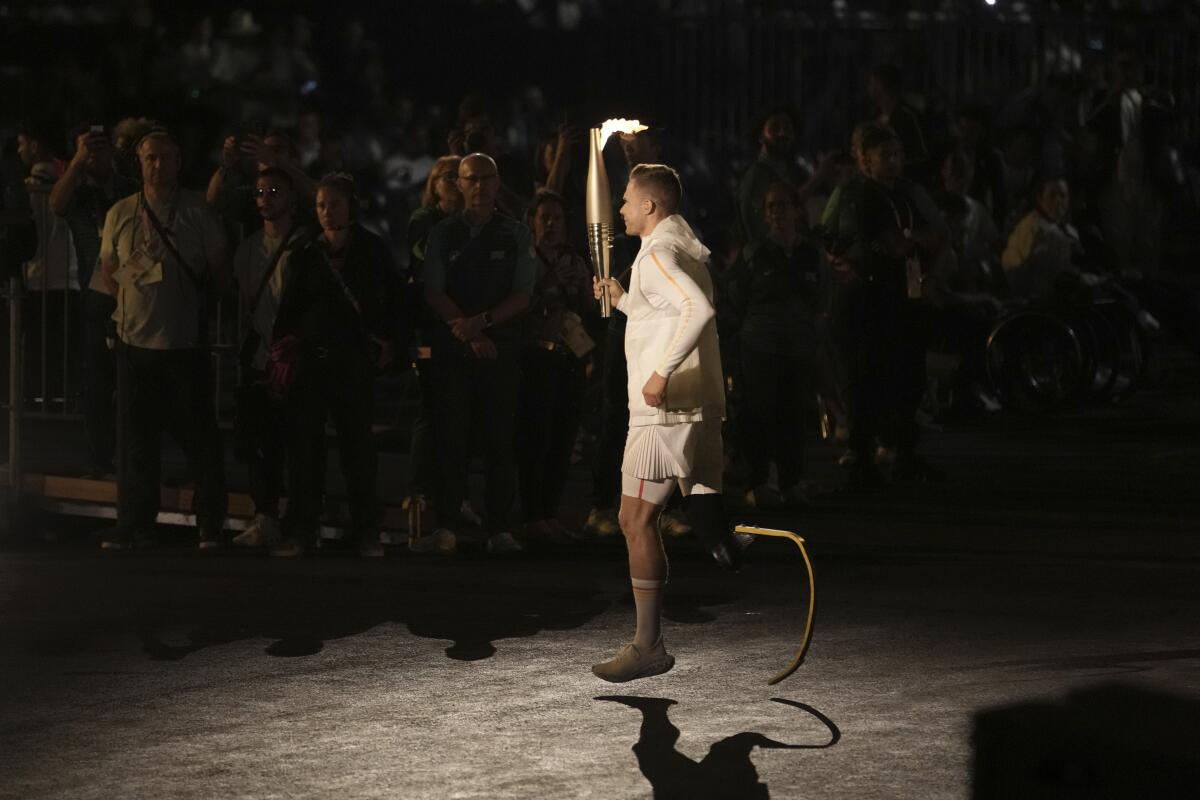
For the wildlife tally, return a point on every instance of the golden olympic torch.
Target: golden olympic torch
(599, 201)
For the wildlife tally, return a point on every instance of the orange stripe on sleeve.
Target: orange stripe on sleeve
(684, 317)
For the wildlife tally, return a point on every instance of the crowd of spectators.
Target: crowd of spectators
(360, 233)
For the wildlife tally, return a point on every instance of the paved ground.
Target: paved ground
(1063, 557)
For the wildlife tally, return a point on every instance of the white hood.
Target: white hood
(674, 233)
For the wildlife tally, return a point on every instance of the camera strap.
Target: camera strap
(167, 239)
(271, 268)
(349, 295)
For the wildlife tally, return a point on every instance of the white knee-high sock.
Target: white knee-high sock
(647, 597)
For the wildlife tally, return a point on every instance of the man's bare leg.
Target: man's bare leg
(646, 656)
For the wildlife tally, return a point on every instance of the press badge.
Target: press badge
(140, 270)
(912, 273)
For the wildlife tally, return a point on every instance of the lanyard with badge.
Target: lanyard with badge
(912, 264)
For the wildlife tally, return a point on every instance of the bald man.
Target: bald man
(676, 406)
(480, 268)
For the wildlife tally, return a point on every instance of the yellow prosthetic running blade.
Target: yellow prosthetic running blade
(812, 595)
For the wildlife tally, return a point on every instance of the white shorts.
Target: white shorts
(657, 457)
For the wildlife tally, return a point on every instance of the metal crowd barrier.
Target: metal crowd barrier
(53, 399)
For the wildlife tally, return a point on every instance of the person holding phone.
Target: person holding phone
(231, 187)
(88, 188)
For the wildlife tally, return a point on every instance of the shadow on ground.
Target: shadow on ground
(726, 772)
(177, 607)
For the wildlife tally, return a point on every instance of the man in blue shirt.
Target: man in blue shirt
(480, 268)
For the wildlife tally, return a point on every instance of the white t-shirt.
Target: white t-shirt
(157, 303)
(251, 260)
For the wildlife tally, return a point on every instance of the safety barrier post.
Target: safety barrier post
(16, 367)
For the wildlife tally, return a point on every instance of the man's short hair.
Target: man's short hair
(156, 132)
(661, 183)
(276, 173)
(479, 156)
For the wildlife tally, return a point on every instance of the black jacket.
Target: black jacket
(315, 308)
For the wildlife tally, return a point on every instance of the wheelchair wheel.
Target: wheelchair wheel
(1036, 359)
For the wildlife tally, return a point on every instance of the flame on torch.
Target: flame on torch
(611, 126)
(599, 200)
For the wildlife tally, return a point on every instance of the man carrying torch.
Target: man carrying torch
(676, 404)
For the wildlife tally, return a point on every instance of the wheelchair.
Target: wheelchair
(1089, 344)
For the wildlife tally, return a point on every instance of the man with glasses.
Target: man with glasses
(480, 268)
(260, 267)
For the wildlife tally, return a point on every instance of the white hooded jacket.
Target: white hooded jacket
(672, 328)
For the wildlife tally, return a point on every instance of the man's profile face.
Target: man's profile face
(272, 198)
(159, 160)
(479, 183)
(635, 209)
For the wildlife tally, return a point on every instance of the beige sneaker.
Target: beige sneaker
(602, 522)
(631, 663)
